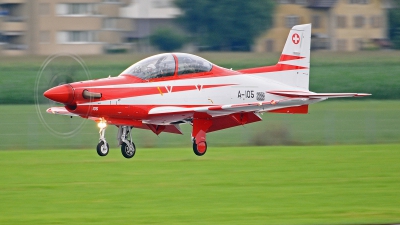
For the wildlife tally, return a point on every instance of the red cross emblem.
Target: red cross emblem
(296, 38)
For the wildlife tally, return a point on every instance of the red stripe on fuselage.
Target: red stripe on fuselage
(127, 92)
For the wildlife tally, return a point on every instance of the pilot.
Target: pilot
(187, 65)
(166, 69)
(150, 70)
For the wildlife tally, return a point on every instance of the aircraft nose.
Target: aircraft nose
(63, 94)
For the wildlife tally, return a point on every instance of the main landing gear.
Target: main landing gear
(128, 148)
(200, 127)
(200, 148)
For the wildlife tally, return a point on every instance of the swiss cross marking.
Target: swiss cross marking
(295, 38)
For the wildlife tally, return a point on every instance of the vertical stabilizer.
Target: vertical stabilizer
(296, 56)
(293, 68)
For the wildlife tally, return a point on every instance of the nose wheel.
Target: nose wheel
(103, 148)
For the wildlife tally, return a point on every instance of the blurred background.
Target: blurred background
(354, 49)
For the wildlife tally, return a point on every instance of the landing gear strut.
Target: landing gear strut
(102, 147)
(128, 148)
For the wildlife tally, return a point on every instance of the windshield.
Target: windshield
(156, 66)
(188, 63)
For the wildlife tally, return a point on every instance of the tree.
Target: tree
(226, 24)
(394, 24)
(167, 40)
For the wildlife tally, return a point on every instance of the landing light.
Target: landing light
(102, 124)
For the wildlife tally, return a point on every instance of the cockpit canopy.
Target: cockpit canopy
(164, 65)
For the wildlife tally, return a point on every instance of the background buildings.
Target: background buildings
(338, 25)
(44, 27)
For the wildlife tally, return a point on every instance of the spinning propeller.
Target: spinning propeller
(52, 89)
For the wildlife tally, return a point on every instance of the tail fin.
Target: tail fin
(296, 56)
(293, 67)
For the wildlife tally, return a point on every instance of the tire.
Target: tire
(102, 149)
(125, 150)
(202, 150)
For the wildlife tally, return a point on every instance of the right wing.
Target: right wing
(308, 94)
(219, 110)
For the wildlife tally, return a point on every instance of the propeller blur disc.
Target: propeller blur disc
(57, 70)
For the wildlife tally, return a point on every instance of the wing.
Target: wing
(304, 94)
(221, 110)
(64, 112)
(226, 116)
(60, 111)
(296, 102)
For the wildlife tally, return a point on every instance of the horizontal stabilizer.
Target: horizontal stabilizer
(305, 94)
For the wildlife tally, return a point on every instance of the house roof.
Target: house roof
(322, 4)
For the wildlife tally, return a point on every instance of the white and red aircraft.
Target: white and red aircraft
(163, 91)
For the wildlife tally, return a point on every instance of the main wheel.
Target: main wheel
(102, 149)
(126, 151)
(199, 149)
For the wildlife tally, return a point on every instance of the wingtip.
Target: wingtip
(49, 111)
(362, 95)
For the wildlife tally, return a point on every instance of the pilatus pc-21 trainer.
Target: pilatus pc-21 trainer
(163, 91)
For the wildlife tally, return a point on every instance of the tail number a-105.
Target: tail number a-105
(246, 94)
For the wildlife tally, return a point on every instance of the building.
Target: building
(338, 25)
(45, 27)
(147, 16)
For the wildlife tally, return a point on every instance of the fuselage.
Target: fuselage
(131, 99)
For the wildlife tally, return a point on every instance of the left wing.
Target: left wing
(60, 111)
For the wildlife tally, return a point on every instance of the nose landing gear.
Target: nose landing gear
(102, 147)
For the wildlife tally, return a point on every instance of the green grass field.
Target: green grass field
(248, 185)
